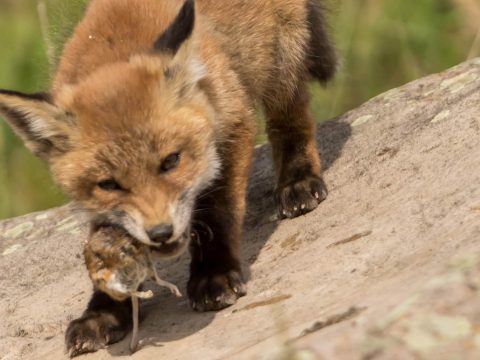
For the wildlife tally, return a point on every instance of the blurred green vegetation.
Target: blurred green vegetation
(382, 43)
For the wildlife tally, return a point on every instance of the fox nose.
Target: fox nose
(160, 233)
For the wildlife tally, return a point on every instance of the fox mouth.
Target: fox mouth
(172, 248)
(124, 221)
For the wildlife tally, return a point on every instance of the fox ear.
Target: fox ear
(184, 69)
(43, 127)
(179, 31)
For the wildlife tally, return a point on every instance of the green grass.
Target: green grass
(382, 43)
(24, 182)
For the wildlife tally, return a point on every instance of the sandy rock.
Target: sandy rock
(388, 267)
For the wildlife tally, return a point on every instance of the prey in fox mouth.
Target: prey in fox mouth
(118, 264)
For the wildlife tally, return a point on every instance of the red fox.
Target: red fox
(151, 115)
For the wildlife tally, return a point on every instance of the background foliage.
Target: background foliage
(383, 44)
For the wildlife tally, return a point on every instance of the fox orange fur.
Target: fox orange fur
(151, 115)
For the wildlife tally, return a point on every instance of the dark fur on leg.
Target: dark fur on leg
(105, 321)
(291, 131)
(216, 276)
(216, 279)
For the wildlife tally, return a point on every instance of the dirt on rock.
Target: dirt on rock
(388, 267)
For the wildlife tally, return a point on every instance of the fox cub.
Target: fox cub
(150, 118)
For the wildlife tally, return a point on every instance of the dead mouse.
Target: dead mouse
(118, 264)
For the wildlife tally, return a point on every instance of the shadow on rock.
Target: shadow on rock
(164, 319)
(262, 213)
(331, 137)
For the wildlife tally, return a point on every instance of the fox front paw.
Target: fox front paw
(300, 197)
(93, 332)
(215, 290)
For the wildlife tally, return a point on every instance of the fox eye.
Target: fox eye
(170, 162)
(109, 185)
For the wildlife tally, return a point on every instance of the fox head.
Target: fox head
(133, 141)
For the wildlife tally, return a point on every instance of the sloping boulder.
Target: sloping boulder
(388, 267)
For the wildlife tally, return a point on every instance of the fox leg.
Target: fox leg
(216, 279)
(291, 131)
(105, 321)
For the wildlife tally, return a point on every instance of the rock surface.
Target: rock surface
(388, 267)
